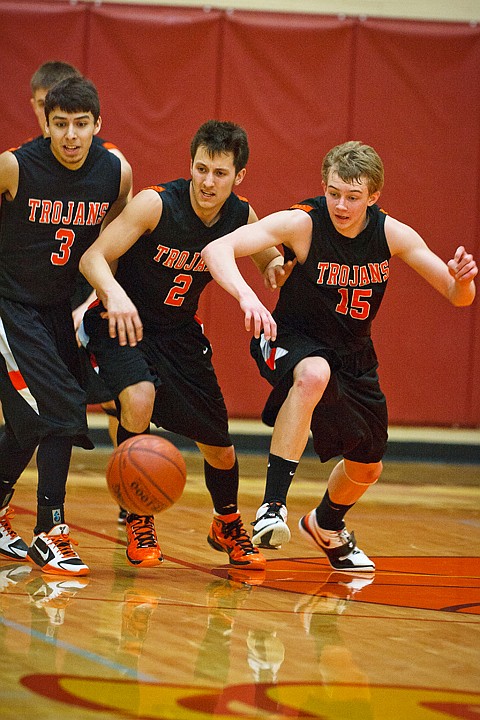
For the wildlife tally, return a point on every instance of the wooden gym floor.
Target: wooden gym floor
(194, 639)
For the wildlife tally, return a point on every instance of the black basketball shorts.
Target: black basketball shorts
(351, 419)
(40, 373)
(188, 399)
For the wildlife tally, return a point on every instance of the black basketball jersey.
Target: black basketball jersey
(55, 216)
(335, 295)
(163, 272)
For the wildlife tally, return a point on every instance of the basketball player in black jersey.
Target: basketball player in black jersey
(42, 80)
(56, 193)
(322, 363)
(146, 338)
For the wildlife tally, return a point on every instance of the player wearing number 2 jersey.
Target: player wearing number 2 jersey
(57, 192)
(149, 346)
(322, 363)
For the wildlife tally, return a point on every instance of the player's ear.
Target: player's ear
(98, 125)
(373, 197)
(239, 176)
(46, 130)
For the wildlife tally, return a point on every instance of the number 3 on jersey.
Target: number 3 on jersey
(359, 308)
(66, 238)
(176, 292)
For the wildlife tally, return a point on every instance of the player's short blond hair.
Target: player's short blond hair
(353, 161)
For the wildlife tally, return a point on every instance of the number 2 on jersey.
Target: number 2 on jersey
(176, 292)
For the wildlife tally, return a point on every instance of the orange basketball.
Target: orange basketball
(146, 474)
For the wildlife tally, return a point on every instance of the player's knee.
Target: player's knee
(137, 406)
(312, 379)
(363, 473)
(222, 458)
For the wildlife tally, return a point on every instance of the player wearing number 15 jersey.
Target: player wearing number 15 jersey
(57, 193)
(322, 362)
(149, 346)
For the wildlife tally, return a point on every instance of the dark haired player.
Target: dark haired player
(45, 77)
(146, 338)
(56, 194)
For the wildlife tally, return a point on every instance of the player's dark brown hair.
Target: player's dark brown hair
(72, 95)
(222, 137)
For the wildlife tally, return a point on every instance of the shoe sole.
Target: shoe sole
(50, 570)
(153, 562)
(8, 556)
(272, 538)
(248, 565)
(351, 569)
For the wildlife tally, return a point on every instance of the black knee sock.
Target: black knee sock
(123, 434)
(223, 487)
(330, 515)
(280, 473)
(53, 461)
(13, 461)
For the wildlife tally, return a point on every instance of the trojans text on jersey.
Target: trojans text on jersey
(356, 275)
(180, 259)
(57, 212)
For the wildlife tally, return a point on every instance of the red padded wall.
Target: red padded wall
(299, 84)
(29, 34)
(156, 70)
(417, 79)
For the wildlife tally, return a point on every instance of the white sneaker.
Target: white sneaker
(11, 544)
(53, 552)
(339, 546)
(270, 529)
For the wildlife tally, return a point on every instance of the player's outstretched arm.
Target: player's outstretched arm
(97, 264)
(255, 240)
(455, 280)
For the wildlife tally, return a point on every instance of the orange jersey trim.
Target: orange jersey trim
(307, 208)
(109, 146)
(158, 188)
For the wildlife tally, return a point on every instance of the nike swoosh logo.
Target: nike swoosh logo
(44, 554)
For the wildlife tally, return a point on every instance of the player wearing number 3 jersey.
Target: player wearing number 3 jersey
(146, 339)
(57, 192)
(322, 363)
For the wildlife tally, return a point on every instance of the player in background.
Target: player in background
(146, 337)
(56, 194)
(322, 364)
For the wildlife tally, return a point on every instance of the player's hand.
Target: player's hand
(123, 319)
(259, 317)
(462, 267)
(276, 275)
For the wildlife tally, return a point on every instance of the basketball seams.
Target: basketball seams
(137, 470)
(150, 478)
